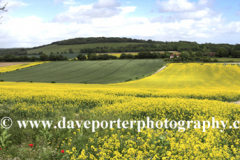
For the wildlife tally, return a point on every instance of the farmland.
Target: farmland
(69, 55)
(76, 48)
(191, 91)
(110, 71)
(118, 54)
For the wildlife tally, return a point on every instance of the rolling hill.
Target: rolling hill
(76, 47)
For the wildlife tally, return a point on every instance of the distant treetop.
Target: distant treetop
(101, 40)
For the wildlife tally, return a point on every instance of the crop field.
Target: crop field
(8, 67)
(76, 48)
(68, 55)
(109, 71)
(194, 75)
(191, 91)
(118, 54)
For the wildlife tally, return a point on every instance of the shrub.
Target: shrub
(81, 57)
(128, 80)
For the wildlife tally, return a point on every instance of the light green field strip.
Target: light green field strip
(76, 48)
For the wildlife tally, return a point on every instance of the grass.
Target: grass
(76, 48)
(110, 71)
(68, 55)
(227, 59)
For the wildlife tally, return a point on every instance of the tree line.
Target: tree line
(98, 40)
(140, 55)
(24, 58)
(222, 50)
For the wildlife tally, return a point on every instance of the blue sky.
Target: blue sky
(32, 23)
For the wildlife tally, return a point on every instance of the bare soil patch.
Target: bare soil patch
(160, 69)
(4, 64)
(238, 102)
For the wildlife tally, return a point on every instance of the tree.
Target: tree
(123, 56)
(93, 56)
(236, 54)
(222, 52)
(199, 54)
(206, 51)
(81, 57)
(167, 54)
(184, 55)
(43, 57)
(3, 9)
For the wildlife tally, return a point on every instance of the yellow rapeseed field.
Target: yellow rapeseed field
(118, 54)
(18, 66)
(186, 92)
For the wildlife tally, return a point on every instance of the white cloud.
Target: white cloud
(175, 6)
(196, 15)
(203, 2)
(86, 13)
(183, 9)
(66, 2)
(128, 9)
(69, 2)
(182, 5)
(33, 31)
(201, 26)
(106, 4)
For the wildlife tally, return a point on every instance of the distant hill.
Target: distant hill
(117, 45)
(101, 40)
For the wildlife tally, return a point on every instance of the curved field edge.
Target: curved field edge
(19, 66)
(102, 72)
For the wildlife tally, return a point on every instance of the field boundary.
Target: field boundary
(162, 68)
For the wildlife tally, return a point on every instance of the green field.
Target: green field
(69, 55)
(76, 48)
(110, 71)
(227, 59)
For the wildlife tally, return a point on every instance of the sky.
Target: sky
(30, 23)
